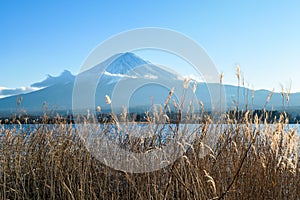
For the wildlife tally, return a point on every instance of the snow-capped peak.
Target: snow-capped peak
(124, 63)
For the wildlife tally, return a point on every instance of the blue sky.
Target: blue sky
(46, 37)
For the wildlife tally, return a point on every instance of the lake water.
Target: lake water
(29, 128)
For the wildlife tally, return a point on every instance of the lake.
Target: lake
(29, 128)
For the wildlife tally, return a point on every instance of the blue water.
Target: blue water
(31, 128)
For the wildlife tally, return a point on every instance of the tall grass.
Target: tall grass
(250, 160)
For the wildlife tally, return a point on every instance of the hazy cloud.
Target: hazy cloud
(4, 92)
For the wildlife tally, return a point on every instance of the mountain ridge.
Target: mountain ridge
(65, 76)
(127, 68)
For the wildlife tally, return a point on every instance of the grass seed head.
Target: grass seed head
(221, 77)
(107, 99)
(238, 72)
(186, 82)
(98, 109)
(195, 87)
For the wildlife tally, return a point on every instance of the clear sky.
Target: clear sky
(46, 37)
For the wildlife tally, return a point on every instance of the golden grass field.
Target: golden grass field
(250, 160)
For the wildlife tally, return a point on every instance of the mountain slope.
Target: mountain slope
(136, 83)
(65, 77)
(57, 91)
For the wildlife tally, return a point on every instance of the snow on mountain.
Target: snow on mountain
(125, 63)
(113, 78)
(127, 69)
(125, 66)
(57, 91)
(128, 65)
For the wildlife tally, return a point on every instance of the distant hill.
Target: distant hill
(65, 77)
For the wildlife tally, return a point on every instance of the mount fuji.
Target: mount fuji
(57, 92)
(131, 81)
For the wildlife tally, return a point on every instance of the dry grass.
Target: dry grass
(250, 160)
